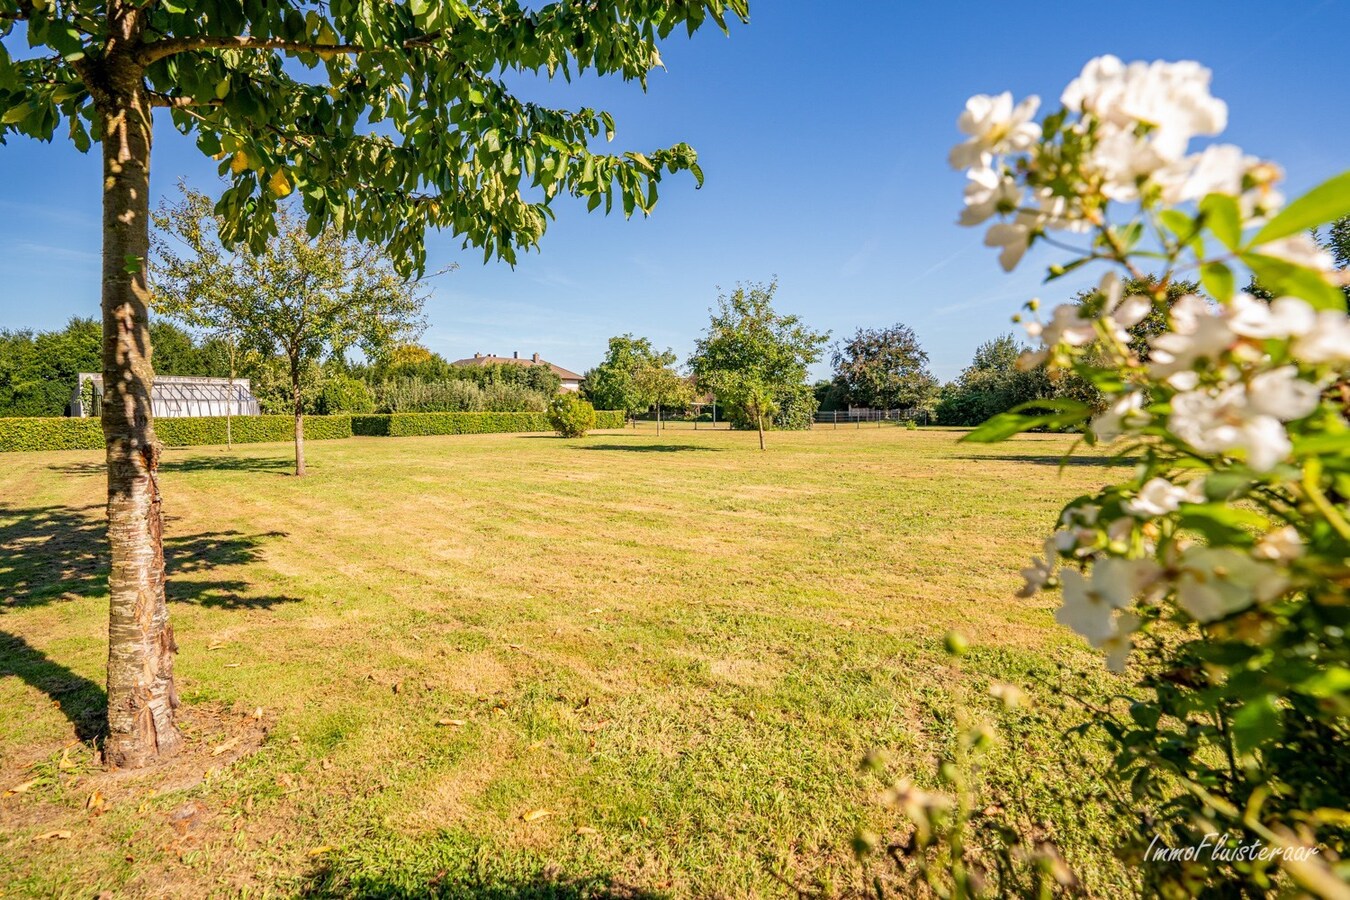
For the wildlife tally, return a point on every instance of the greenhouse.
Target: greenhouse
(175, 396)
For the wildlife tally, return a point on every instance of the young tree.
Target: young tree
(751, 356)
(626, 377)
(302, 298)
(658, 384)
(385, 118)
(884, 368)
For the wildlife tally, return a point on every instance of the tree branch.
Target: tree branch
(160, 49)
(181, 102)
(157, 50)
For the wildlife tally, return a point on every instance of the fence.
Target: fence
(857, 417)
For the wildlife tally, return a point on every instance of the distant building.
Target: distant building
(571, 381)
(174, 396)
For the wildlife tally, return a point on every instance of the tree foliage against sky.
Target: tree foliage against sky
(302, 298)
(753, 358)
(884, 368)
(633, 375)
(385, 119)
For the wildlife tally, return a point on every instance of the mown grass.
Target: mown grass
(677, 646)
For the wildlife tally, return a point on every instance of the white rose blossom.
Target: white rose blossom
(1217, 581)
(1281, 545)
(995, 126)
(988, 193)
(1157, 497)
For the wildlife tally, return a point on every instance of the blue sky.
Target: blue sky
(823, 129)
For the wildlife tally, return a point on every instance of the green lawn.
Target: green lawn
(676, 646)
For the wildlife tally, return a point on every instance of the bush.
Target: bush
(410, 395)
(418, 424)
(87, 434)
(345, 394)
(571, 416)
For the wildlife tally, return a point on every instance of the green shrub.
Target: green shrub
(50, 434)
(610, 418)
(345, 394)
(87, 434)
(420, 424)
(571, 416)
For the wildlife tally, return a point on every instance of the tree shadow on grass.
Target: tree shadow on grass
(652, 448)
(281, 465)
(51, 553)
(59, 553)
(1105, 462)
(329, 883)
(81, 701)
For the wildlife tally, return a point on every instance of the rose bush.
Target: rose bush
(1217, 577)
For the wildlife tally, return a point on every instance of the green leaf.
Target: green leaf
(1334, 681)
(1255, 723)
(1218, 280)
(1005, 425)
(1222, 523)
(1283, 277)
(1328, 201)
(1223, 218)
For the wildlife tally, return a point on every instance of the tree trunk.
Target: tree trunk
(141, 692)
(229, 404)
(759, 423)
(299, 418)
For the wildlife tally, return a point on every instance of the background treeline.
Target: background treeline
(38, 372)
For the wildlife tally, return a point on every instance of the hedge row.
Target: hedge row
(87, 434)
(414, 424)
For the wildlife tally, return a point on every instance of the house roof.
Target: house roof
(487, 359)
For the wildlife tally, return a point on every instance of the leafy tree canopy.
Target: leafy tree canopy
(633, 376)
(752, 357)
(884, 368)
(384, 119)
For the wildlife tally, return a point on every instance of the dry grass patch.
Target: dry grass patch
(679, 655)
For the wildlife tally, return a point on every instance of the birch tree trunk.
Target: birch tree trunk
(141, 692)
(299, 417)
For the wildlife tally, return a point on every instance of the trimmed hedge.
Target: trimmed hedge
(87, 434)
(50, 434)
(18, 434)
(415, 424)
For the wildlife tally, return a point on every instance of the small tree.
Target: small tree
(299, 297)
(628, 377)
(884, 368)
(751, 356)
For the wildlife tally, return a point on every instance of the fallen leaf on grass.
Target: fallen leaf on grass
(584, 829)
(232, 665)
(257, 713)
(458, 723)
(535, 815)
(228, 745)
(22, 788)
(53, 835)
(514, 646)
(598, 609)
(320, 851)
(95, 802)
(215, 647)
